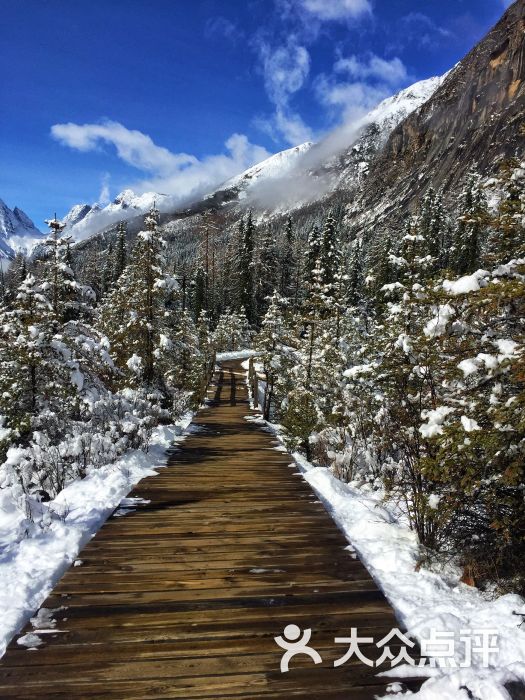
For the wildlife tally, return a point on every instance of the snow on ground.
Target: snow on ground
(235, 355)
(31, 566)
(427, 602)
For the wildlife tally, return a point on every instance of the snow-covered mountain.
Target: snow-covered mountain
(277, 165)
(17, 231)
(304, 174)
(82, 220)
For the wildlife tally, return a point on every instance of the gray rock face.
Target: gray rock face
(474, 120)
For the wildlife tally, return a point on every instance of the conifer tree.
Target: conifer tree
(199, 293)
(138, 321)
(69, 299)
(121, 253)
(107, 277)
(329, 253)
(471, 224)
(287, 262)
(232, 331)
(355, 275)
(313, 252)
(267, 277)
(246, 270)
(270, 342)
(507, 237)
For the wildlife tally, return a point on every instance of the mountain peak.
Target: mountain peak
(17, 231)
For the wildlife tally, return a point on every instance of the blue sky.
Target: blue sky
(177, 95)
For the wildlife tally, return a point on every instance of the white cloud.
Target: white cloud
(392, 72)
(103, 197)
(285, 59)
(292, 127)
(223, 28)
(336, 10)
(178, 174)
(371, 79)
(133, 147)
(205, 174)
(351, 100)
(421, 29)
(285, 70)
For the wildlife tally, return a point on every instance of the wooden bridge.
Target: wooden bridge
(183, 597)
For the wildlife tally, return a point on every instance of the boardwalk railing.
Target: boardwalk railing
(253, 381)
(208, 375)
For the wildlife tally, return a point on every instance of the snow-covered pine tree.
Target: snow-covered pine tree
(267, 269)
(471, 226)
(313, 253)
(271, 340)
(329, 253)
(69, 299)
(198, 297)
(246, 274)
(121, 252)
(288, 261)
(184, 366)
(15, 275)
(107, 276)
(139, 320)
(54, 366)
(355, 275)
(3, 289)
(433, 226)
(507, 236)
(232, 331)
(206, 347)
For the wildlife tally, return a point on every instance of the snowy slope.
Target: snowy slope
(17, 231)
(277, 165)
(391, 112)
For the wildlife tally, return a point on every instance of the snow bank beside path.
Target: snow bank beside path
(31, 566)
(427, 602)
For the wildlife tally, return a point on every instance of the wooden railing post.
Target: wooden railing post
(208, 376)
(253, 382)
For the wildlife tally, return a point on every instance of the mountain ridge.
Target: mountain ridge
(17, 231)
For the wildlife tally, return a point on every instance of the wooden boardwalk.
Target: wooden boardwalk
(183, 597)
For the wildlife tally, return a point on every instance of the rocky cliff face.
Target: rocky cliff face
(474, 120)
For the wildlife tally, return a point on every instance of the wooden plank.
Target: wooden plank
(182, 596)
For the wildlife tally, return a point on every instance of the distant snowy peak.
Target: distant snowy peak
(17, 231)
(78, 213)
(82, 220)
(129, 200)
(277, 165)
(15, 222)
